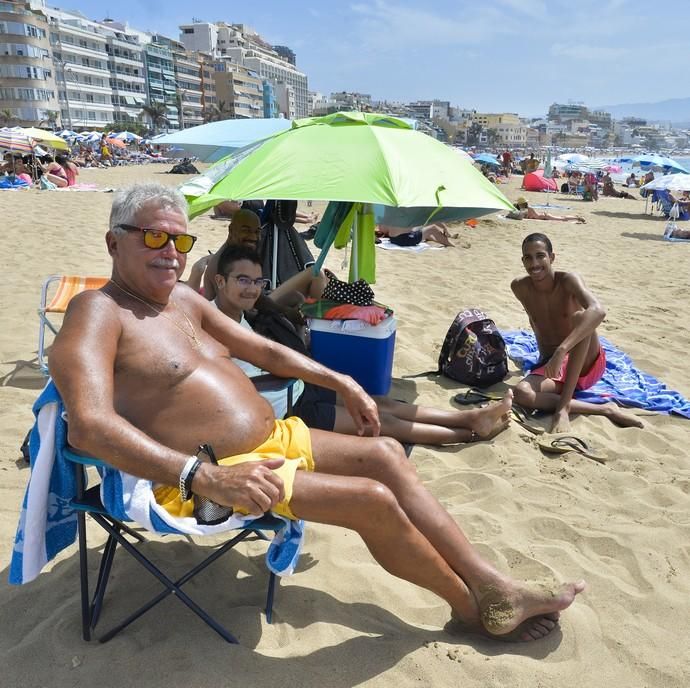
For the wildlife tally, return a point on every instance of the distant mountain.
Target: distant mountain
(676, 110)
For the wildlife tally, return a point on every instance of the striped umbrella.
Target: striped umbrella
(16, 141)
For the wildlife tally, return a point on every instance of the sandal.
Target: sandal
(561, 444)
(522, 416)
(474, 396)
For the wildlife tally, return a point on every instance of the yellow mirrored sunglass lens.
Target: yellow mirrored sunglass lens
(183, 242)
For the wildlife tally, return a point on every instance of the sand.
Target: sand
(341, 620)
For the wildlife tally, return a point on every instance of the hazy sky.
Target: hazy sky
(495, 55)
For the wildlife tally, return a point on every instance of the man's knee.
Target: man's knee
(523, 393)
(389, 456)
(377, 504)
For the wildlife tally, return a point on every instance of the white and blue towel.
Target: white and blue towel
(48, 522)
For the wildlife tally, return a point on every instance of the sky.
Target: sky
(492, 55)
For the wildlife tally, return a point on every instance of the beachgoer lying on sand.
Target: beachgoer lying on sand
(524, 212)
(610, 190)
(437, 232)
(144, 366)
(238, 286)
(675, 232)
(564, 315)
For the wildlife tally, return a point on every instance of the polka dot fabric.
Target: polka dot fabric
(358, 293)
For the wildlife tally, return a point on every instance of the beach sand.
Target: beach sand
(342, 621)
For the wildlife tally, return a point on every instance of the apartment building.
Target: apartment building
(125, 48)
(188, 79)
(83, 75)
(161, 85)
(247, 48)
(507, 128)
(239, 89)
(27, 77)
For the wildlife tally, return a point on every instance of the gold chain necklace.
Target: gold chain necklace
(192, 331)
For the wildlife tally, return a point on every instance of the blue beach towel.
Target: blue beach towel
(622, 381)
(48, 524)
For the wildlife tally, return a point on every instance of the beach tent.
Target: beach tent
(215, 140)
(536, 181)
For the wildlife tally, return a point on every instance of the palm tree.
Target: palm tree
(50, 117)
(215, 112)
(156, 112)
(6, 117)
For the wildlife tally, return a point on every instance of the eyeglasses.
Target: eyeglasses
(157, 238)
(245, 281)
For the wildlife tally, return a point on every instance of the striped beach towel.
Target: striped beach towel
(48, 522)
(622, 381)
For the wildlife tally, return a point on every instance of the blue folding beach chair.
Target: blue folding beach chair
(88, 501)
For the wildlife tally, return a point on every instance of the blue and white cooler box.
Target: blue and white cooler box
(362, 351)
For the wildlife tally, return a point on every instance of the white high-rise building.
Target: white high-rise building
(246, 47)
(81, 59)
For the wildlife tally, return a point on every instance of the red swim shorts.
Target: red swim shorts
(585, 381)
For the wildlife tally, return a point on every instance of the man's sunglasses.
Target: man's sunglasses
(157, 238)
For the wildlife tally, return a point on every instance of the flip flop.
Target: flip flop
(474, 396)
(521, 416)
(561, 444)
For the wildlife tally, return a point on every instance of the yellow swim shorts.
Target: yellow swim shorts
(290, 440)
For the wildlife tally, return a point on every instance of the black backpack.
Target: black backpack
(473, 351)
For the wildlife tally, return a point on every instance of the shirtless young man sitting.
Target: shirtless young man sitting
(144, 366)
(238, 286)
(564, 316)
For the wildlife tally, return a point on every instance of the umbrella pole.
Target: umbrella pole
(274, 266)
(355, 242)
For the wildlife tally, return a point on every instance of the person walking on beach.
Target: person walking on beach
(564, 316)
(144, 367)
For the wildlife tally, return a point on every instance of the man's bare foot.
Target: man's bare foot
(616, 415)
(561, 421)
(508, 607)
(489, 421)
(531, 629)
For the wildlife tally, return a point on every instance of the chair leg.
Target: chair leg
(103, 577)
(171, 587)
(272, 583)
(84, 577)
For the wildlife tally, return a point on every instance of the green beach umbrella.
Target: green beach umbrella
(348, 156)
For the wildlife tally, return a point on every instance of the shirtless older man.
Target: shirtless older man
(564, 315)
(145, 369)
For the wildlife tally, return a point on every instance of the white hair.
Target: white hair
(129, 201)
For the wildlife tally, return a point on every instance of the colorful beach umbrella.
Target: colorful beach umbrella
(661, 162)
(215, 140)
(348, 156)
(127, 136)
(15, 141)
(46, 137)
